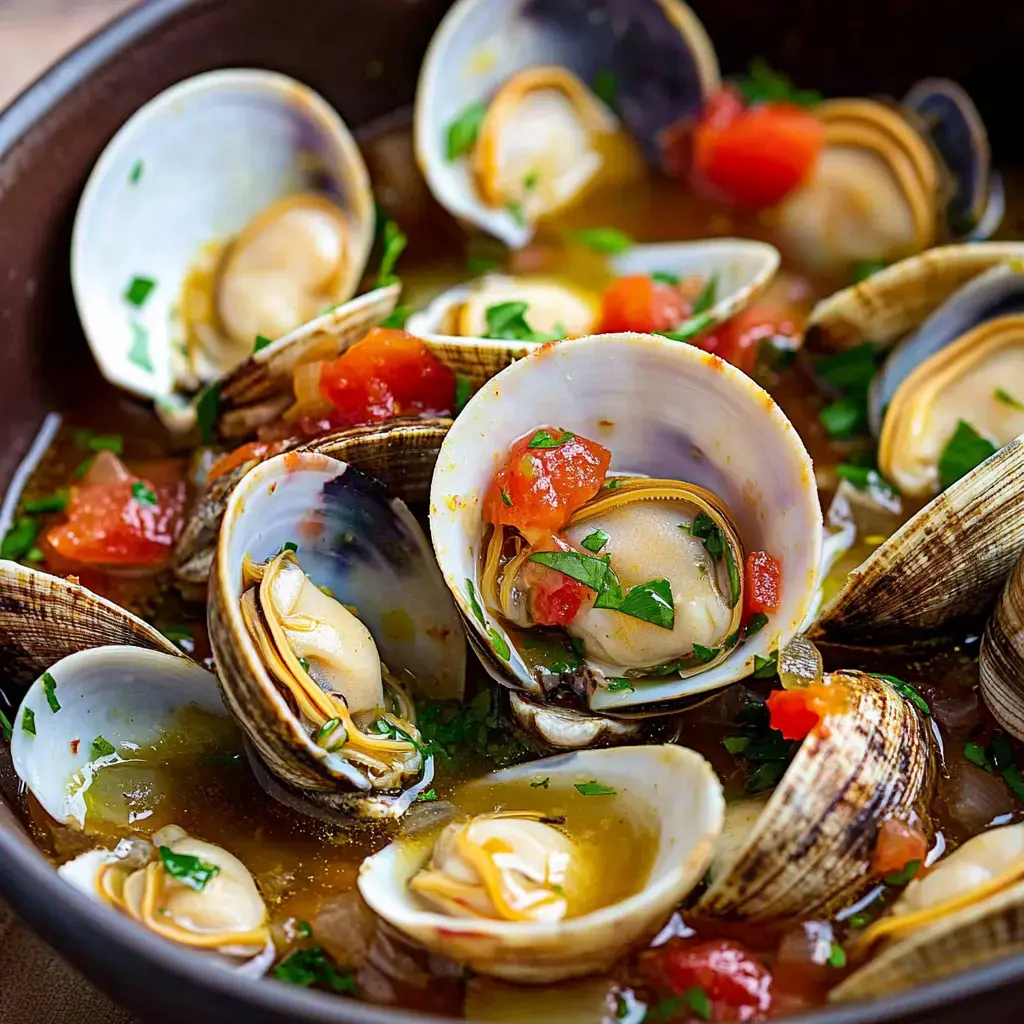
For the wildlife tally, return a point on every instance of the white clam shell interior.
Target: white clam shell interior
(664, 409)
(195, 165)
(127, 695)
(673, 783)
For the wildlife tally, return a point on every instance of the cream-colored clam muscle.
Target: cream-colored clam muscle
(552, 307)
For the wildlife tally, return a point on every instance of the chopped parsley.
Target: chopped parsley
(454, 731)
(904, 876)
(50, 689)
(138, 353)
(708, 296)
(664, 277)
(863, 269)
(837, 956)
(611, 485)
(289, 545)
(142, 494)
(736, 744)
(262, 341)
(99, 442)
(976, 754)
(5, 726)
(540, 783)
(396, 319)
(1004, 396)
(586, 569)
(965, 450)
(139, 289)
(606, 87)
(864, 478)
(650, 602)
(426, 797)
(604, 240)
(698, 1001)
(766, 668)
(461, 134)
(620, 685)
(506, 321)
(28, 721)
(102, 747)
(908, 691)
(595, 541)
(499, 643)
(851, 372)
(56, 502)
(505, 499)
(767, 752)
(327, 730)
(665, 1010)
(474, 603)
(463, 391)
(755, 624)
(314, 966)
(530, 181)
(543, 439)
(19, 539)
(843, 417)
(304, 664)
(593, 788)
(207, 411)
(481, 264)
(998, 756)
(762, 84)
(135, 173)
(303, 929)
(733, 571)
(689, 329)
(705, 654)
(704, 528)
(515, 211)
(185, 868)
(395, 242)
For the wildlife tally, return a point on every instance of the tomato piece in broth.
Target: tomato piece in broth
(796, 713)
(740, 339)
(899, 844)
(639, 303)
(763, 584)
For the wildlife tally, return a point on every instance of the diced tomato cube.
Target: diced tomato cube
(898, 844)
(763, 584)
(639, 303)
(555, 599)
(795, 713)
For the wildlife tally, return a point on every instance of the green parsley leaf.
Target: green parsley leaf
(461, 134)
(138, 353)
(530, 181)
(207, 411)
(426, 797)
(136, 172)
(395, 242)
(837, 956)
(904, 876)
(327, 730)
(540, 783)
(611, 485)
(499, 643)
(6, 730)
(463, 391)
(34, 555)
(474, 603)
(698, 1001)
(506, 321)
(481, 264)
(262, 341)
(650, 602)
(1004, 396)
(19, 539)
(664, 277)
(1015, 780)
(864, 478)
(863, 269)
(604, 240)
(138, 290)
(907, 691)
(965, 450)
(689, 329)
(586, 569)
(976, 754)
(185, 868)
(595, 541)
(303, 929)
(854, 368)
(593, 788)
(177, 633)
(56, 502)
(314, 966)
(1001, 750)
(708, 296)
(665, 1010)
(104, 443)
(505, 499)
(843, 417)
(543, 439)
(733, 571)
(765, 776)
(755, 624)
(50, 689)
(515, 209)
(142, 494)
(765, 668)
(102, 747)
(606, 87)
(762, 84)
(736, 744)
(704, 528)
(28, 721)
(289, 545)
(620, 685)
(705, 654)
(396, 319)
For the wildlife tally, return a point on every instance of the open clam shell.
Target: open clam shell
(606, 388)
(655, 52)
(126, 695)
(668, 786)
(1001, 666)
(367, 550)
(808, 849)
(182, 176)
(401, 454)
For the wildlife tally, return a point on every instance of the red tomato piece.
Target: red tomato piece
(737, 984)
(114, 518)
(796, 713)
(251, 450)
(738, 341)
(898, 844)
(764, 584)
(555, 599)
(539, 487)
(639, 303)
(388, 373)
(755, 157)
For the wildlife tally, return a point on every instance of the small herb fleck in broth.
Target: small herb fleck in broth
(837, 956)
(766, 668)
(606, 87)
(454, 731)
(611, 485)
(864, 478)
(1004, 396)
(138, 291)
(185, 868)
(733, 571)
(664, 277)
(595, 541)
(619, 685)
(698, 1001)
(843, 418)
(262, 341)
(305, 664)
(906, 690)
(99, 442)
(314, 966)
(976, 754)
(327, 730)
(135, 173)
(736, 744)
(6, 731)
(515, 211)
(905, 876)
(474, 603)
(289, 545)
(50, 689)
(102, 747)
(863, 269)
(396, 320)
(713, 536)
(138, 352)
(481, 264)
(650, 602)
(708, 296)
(540, 783)
(56, 502)
(530, 181)
(501, 648)
(594, 788)
(426, 797)
(395, 242)
(28, 721)
(604, 240)
(762, 84)
(665, 1010)
(207, 411)
(461, 134)
(586, 569)
(463, 391)
(543, 439)
(755, 624)
(964, 450)
(689, 328)
(505, 499)
(19, 539)
(705, 654)
(142, 494)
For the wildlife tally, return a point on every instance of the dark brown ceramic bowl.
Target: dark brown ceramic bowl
(363, 55)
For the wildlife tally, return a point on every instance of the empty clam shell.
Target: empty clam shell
(1001, 665)
(184, 174)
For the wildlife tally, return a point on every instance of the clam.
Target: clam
(808, 848)
(401, 454)
(571, 899)
(509, 128)
(966, 911)
(712, 497)
(188, 891)
(234, 204)
(892, 180)
(1001, 666)
(326, 611)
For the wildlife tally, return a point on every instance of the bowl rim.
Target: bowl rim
(23, 869)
